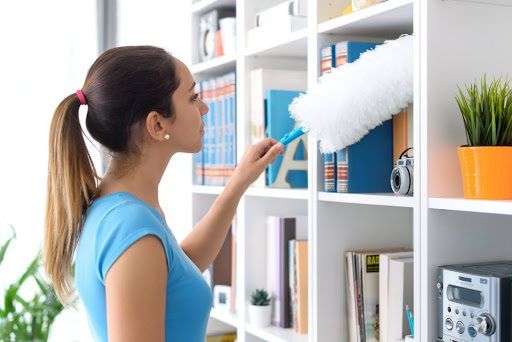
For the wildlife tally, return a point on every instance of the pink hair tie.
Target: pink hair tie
(81, 97)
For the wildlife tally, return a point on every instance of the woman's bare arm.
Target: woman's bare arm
(136, 293)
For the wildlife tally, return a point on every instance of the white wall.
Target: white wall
(47, 48)
(164, 24)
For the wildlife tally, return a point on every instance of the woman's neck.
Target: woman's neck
(141, 180)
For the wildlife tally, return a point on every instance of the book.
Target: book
(364, 166)
(330, 175)
(281, 230)
(384, 316)
(363, 309)
(260, 81)
(292, 261)
(222, 264)
(351, 297)
(401, 291)
(279, 123)
(198, 157)
(230, 126)
(233, 266)
(301, 249)
(326, 59)
(212, 133)
(218, 167)
(402, 133)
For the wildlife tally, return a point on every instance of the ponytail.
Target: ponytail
(72, 185)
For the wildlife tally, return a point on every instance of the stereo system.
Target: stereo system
(474, 302)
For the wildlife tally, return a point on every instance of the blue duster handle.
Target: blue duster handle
(289, 137)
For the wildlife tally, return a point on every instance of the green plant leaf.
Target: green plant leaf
(486, 111)
(4, 247)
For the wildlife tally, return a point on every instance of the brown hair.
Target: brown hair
(122, 86)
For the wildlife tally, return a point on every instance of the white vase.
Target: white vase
(260, 315)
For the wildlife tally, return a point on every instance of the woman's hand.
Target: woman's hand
(255, 160)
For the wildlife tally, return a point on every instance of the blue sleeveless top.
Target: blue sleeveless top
(112, 224)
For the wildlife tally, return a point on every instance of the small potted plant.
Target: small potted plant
(486, 160)
(259, 310)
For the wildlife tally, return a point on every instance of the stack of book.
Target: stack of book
(365, 166)
(287, 271)
(379, 283)
(215, 163)
(278, 21)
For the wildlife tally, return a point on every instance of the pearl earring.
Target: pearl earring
(167, 137)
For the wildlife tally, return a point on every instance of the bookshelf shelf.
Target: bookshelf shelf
(388, 19)
(224, 317)
(204, 6)
(207, 189)
(479, 206)
(384, 199)
(275, 334)
(278, 193)
(293, 45)
(219, 65)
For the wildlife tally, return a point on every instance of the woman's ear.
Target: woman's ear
(155, 126)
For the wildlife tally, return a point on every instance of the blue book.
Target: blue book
(212, 131)
(199, 159)
(327, 63)
(218, 168)
(365, 166)
(279, 123)
(230, 136)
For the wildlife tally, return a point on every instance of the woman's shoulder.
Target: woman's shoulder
(122, 210)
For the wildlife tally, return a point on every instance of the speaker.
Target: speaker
(208, 27)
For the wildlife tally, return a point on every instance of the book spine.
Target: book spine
(342, 170)
(288, 233)
(341, 53)
(219, 131)
(301, 251)
(330, 172)
(327, 63)
(231, 144)
(277, 274)
(326, 59)
(213, 131)
(198, 165)
(207, 133)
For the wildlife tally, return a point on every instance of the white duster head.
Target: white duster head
(357, 97)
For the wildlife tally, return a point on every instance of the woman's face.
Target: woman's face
(187, 127)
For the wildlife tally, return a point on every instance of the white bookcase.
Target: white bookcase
(456, 41)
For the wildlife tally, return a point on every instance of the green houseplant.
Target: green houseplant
(486, 160)
(27, 320)
(260, 309)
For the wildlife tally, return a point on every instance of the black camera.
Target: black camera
(402, 176)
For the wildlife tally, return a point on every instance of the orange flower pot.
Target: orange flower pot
(486, 172)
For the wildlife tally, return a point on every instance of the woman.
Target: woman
(136, 282)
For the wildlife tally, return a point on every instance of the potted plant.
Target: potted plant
(259, 310)
(486, 160)
(27, 320)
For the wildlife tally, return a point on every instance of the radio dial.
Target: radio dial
(485, 324)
